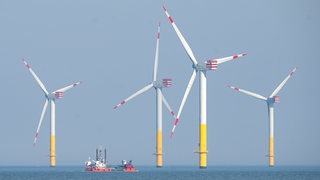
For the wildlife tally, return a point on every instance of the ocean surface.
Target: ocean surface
(166, 173)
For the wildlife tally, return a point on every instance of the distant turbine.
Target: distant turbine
(57, 94)
(158, 85)
(202, 68)
(270, 101)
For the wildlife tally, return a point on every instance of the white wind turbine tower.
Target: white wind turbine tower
(273, 98)
(202, 68)
(57, 94)
(157, 85)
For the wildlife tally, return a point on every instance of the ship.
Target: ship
(100, 164)
(126, 167)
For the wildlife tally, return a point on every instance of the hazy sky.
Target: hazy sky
(110, 46)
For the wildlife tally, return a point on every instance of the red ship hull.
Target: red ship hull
(129, 170)
(99, 169)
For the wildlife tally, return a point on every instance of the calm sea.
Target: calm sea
(166, 173)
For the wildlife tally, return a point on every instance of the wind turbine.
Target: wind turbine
(202, 68)
(273, 98)
(50, 97)
(157, 85)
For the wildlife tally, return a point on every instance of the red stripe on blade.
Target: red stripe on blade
(171, 20)
(171, 134)
(164, 8)
(176, 122)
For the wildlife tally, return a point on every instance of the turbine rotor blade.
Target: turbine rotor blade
(144, 89)
(68, 87)
(40, 122)
(184, 99)
(36, 77)
(183, 41)
(155, 68)
(225, 59)
(249, 93)
(283, 82)
(168, 106)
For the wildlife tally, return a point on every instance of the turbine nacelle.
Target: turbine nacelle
(55, 95)
(200, 67)
(212, 64)
(206, 66)
(59, 94)
(166, 82)
(274, 99)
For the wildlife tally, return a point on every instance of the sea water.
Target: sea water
(166, 173)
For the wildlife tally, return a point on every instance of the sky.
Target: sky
(110, 47)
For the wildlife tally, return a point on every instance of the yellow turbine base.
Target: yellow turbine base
(159, 149)
(52, 151)
(271, 152)
(203, 146)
